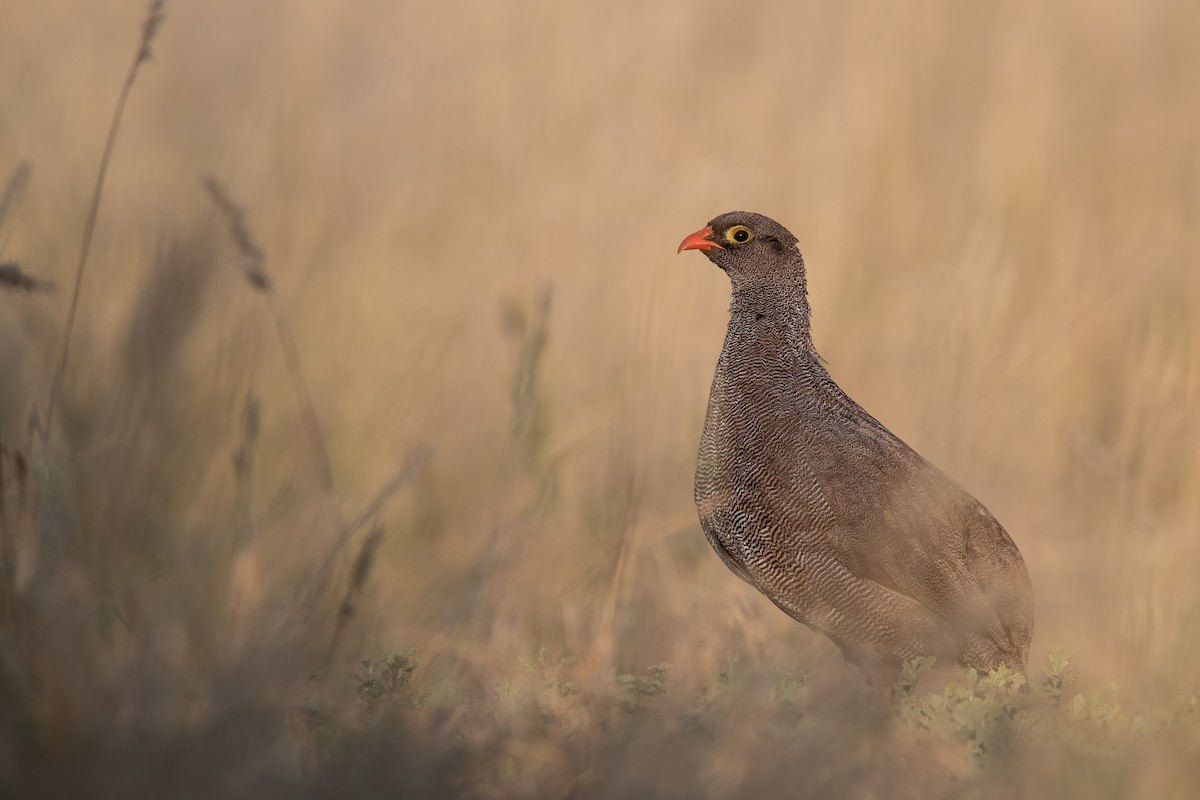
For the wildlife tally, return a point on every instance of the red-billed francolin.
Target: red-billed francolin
(812, 501)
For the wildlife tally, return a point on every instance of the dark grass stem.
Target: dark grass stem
(243, 468)
(13, 189)
(412, 465)
(7, 558)
(409, 469)
(354, 589)
(150, 26)
(254, 260)
(14, 470)
(308, 410)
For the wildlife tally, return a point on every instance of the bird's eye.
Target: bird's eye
(739, 234)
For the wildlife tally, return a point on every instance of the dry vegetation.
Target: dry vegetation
(454, 228)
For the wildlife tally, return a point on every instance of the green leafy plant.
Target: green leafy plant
(640, 689)
(389, 677)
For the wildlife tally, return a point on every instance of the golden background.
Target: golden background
(999, 206)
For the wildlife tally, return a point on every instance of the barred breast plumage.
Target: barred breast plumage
(807, 497)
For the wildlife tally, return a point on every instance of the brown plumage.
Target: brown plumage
(811, 500)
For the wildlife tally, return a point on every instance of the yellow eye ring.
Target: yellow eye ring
(738, 234)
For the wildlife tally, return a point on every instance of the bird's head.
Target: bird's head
(752, 249)
(743, 240)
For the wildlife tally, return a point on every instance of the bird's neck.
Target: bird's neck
(772, 289)
(783, 303)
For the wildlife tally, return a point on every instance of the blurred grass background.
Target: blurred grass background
(470, 212)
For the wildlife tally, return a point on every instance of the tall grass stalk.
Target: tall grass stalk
(8, 571)
(13, 189)
(150, 26)
(354, 588)
(254, 268)
(413, 463)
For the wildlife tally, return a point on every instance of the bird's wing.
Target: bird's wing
(900, 522)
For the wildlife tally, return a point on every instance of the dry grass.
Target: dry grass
(999, 207)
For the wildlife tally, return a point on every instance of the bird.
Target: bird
(815, 503)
